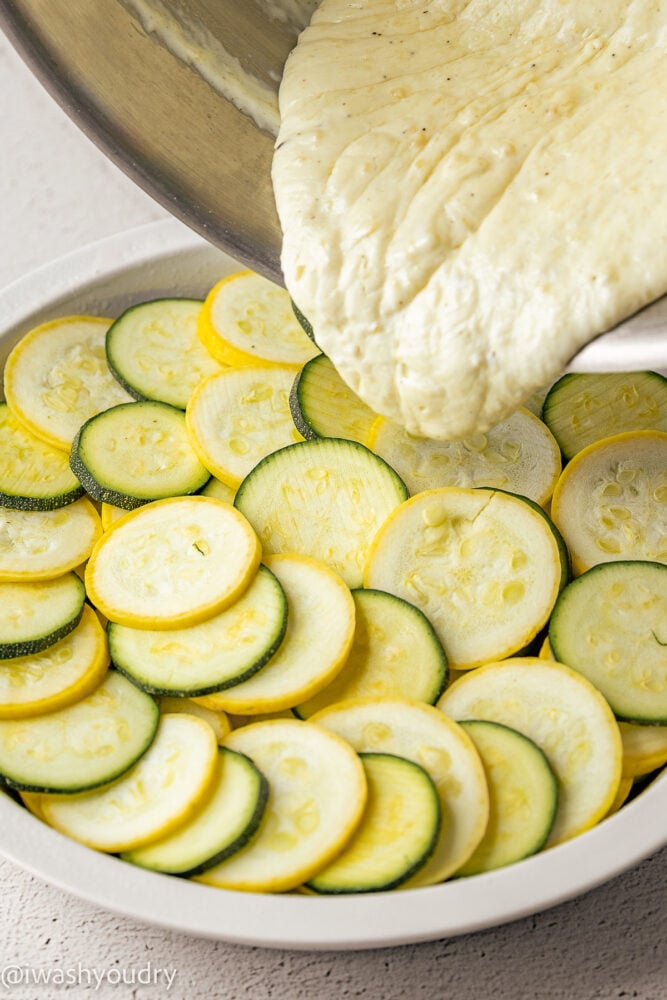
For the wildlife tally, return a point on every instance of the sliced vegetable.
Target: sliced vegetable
(57, 377)
(323, 405)
(609, 503)
(136, 452)
(397, 834)
(317, 794)
(519, 455)
(565, 716)
(82, 745)
(155, 353)
(238, 417)
(248, 319)
(395, 653)
(33, 475)
(523, 795)
(216, 488)
(226, 649)
(610, 624)
(320, 630)
(424, 735)
(172, 563)
(58, 676)
(581, 409)
(35, 615)
(483, 566)
(324, 498)
(644, 748)
(163, 790)
(218, 721)
(224, 824)
(41, 545)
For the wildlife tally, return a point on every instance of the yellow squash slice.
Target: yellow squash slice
(424, 735)
(644, 748)
(172, 563)
(33, 475)
(565, 716)
(44, 544)
(57, 377)
(247, 319)
(317, 794)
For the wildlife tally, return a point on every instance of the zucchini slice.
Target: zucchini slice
(247, 319)
(324, 498)
(155, 353)
(565, 716)
(237, 417)
(523, 795)
(395, 653)
(519, 455)
(43, 544)
(162, 791)
(58, 676)
(317, 794)
(610, 624)
(609, 502)
(323, 405)
(82, 745)
(223, 825)
(57, 377)
(34, 475)
(581, 409)
(226, 649)
(137, 452)
(397, 834)
(172, 563)
(424, 735)
(320, 630)
(35, 615)
(483, 565)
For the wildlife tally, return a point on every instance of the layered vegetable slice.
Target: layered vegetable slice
(35, 615)
(44, 544)
(324, 498)
(484, 566)
(323, 405)
(34, 475)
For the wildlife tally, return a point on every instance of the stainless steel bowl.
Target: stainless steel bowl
(156, 115)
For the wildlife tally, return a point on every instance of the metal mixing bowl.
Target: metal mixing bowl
(157, 117)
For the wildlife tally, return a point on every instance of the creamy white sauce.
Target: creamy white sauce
(469, 191)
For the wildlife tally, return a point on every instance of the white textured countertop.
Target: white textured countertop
(57, 192)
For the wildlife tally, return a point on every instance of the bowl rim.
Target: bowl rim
(289, 921)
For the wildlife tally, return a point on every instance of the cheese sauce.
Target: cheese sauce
(470, 191)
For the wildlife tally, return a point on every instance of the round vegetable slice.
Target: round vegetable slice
(172, 563)
(58, 676)
(317, 794)
(35, 615)
(159, 793)
(44, 544)
(610, 624)
(34, 475)
(57, 377)
(565, 716)
(523, 794)
(644, 748)
(154, 351)
(247, 319)
(395, 653)
(237, 417)
(397, 834)
(223, 825)
(609, 502)
(323, 405)
(324, 498)
(421, 733)
(319, 634)
(483, 565)
(82, 745)
(137, 452)
(519, 455)
(223, 650)
(581, 408)
(218, 721)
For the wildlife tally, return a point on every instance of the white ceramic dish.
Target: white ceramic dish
(165, 258)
